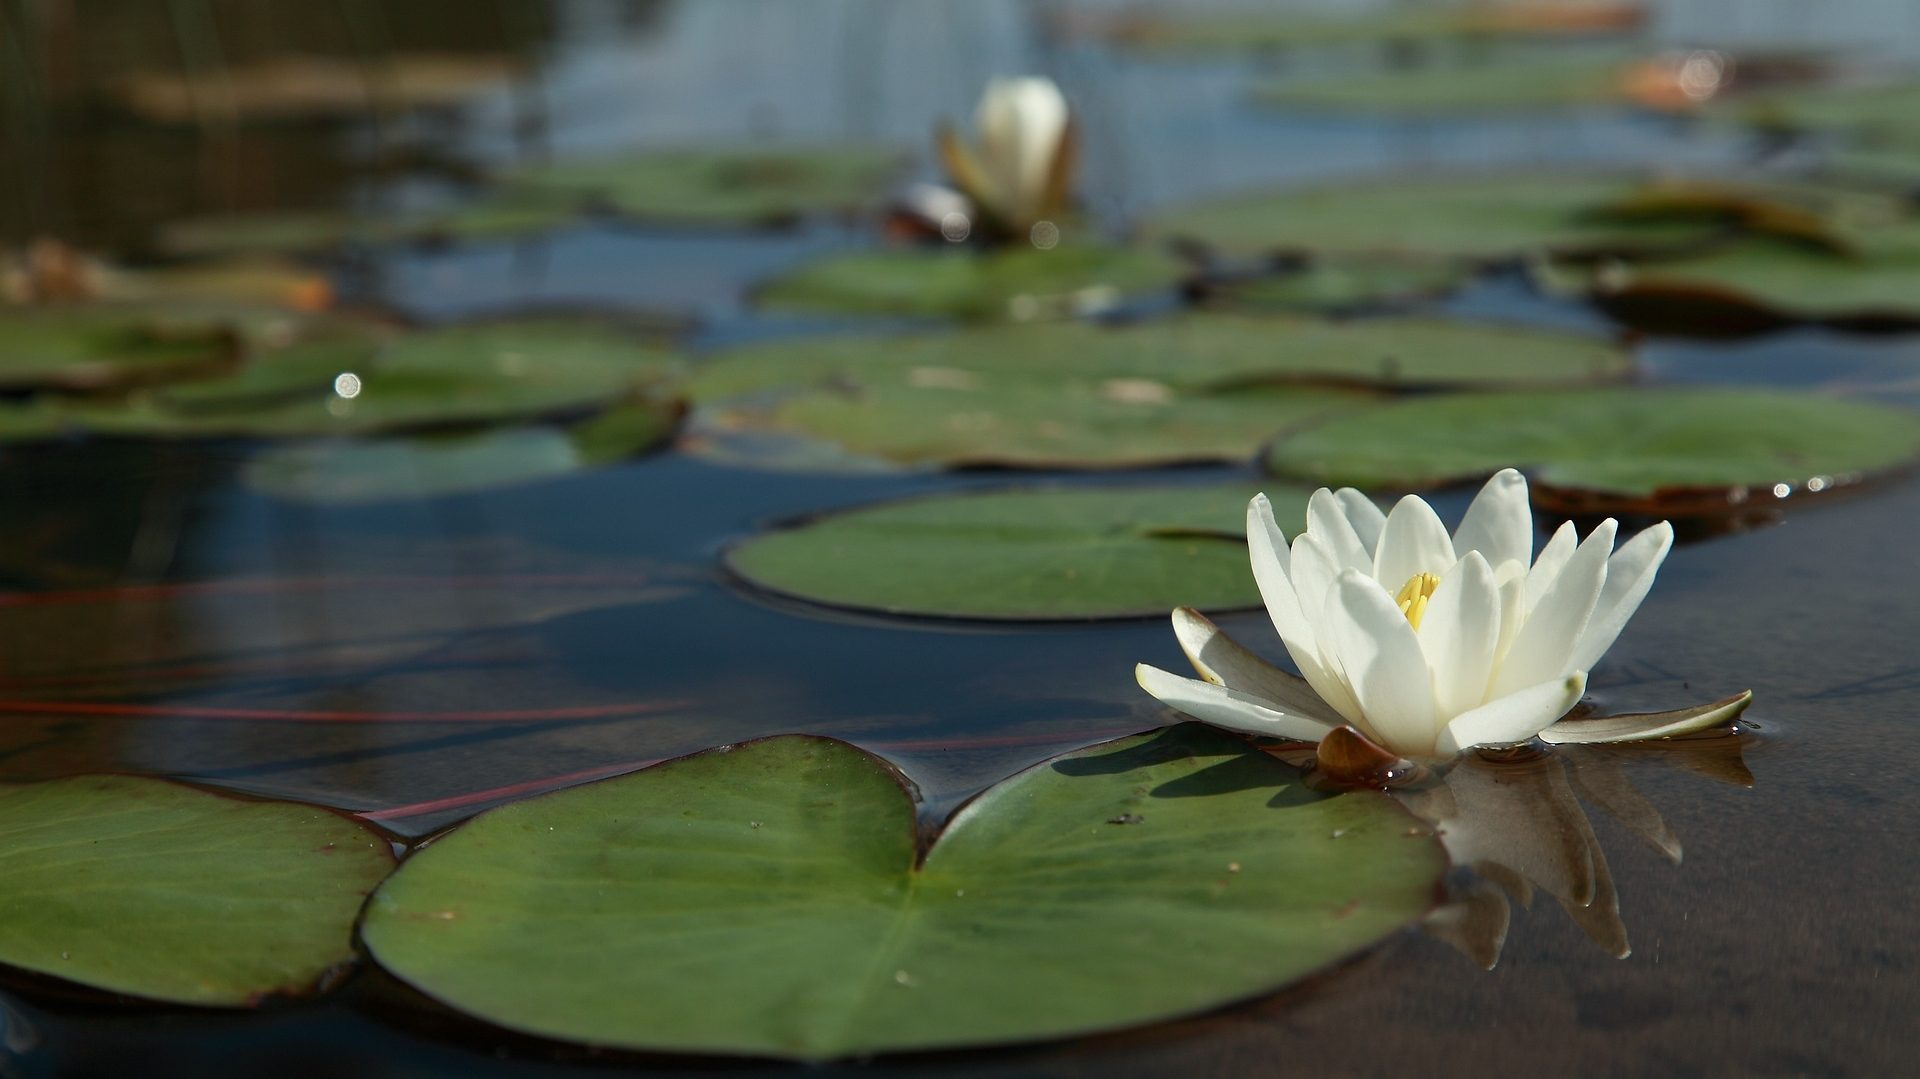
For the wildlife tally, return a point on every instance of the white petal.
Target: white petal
(1515, 717)
(1313, 573)
(1459, 633)
(1630, 574)
(1267, 550)
(1643, 725)
(1382, 662)
(1553, 558)
(1413, 541)
(1225, 662)
(1499, 523)
(1021, 123)
(1327, 521)
(1543, 649)
(1511, 577)
(1363, 517)
(1227, 708)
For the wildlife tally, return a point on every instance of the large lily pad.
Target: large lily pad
(1876, 112)
(721, 185)
(1481, 217)
(1038, 553)
(1193, 353)
(1388, 24)
(94, 346)
(350, 472)
(1019, 282)
(1343, 284)
(501, 216)
(1626, 444)
(150, 888)
(461, 376)
(772, 899)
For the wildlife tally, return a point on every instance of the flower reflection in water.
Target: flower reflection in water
(1515, 818)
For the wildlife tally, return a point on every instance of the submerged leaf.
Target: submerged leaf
(150, 888)
(769, 899)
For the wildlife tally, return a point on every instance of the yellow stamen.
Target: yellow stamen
(1414, 595)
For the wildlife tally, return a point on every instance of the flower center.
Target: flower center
(1414, 595)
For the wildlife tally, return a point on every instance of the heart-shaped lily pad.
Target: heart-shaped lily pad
(93, 346)
(1020, 283)
(460, 376)
(147, 887)
(347, 472)
(721, 185)
(1618, 445)
(1488, 216)
(1038, 553)
(773, 899)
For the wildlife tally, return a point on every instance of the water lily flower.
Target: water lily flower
(1424, 642)
(1024, 165)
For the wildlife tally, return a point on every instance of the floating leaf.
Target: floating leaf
(1530, 82)
(1345, 284)
(1876, 112)
(752, 185)
(1018, 282)
(348, 472)
(1695, 450)
(461, 376)
(146, 887)
(1192, 353)
(1774, 282)
(771, 899)
(1124, 423)
(1023, 554)
(93, 346)
(1470, 217)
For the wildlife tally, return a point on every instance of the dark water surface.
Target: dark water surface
(163, 618)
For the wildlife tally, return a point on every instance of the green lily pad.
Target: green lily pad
(459, 376)
(1019, 282)
(1345, 284)
(741, 185)
(1669, 445)
(1127, 423)
(352, 472)
(95, 346)
(1036, 553)
(1529, 83)
(150, 888)
(1478, 217)
(1883, 112)
(1782, 281)
(772, 899)
(1188, 354)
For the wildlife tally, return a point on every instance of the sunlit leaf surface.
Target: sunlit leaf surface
(1625, 443)
(149, 888)
(1016, 283)
(770, 899)
(1023, 554)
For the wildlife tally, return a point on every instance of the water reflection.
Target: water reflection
(1516, 819)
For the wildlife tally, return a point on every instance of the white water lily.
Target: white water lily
(1428, 643)
(1020, 175)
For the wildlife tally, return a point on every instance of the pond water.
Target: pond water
(164, 617)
